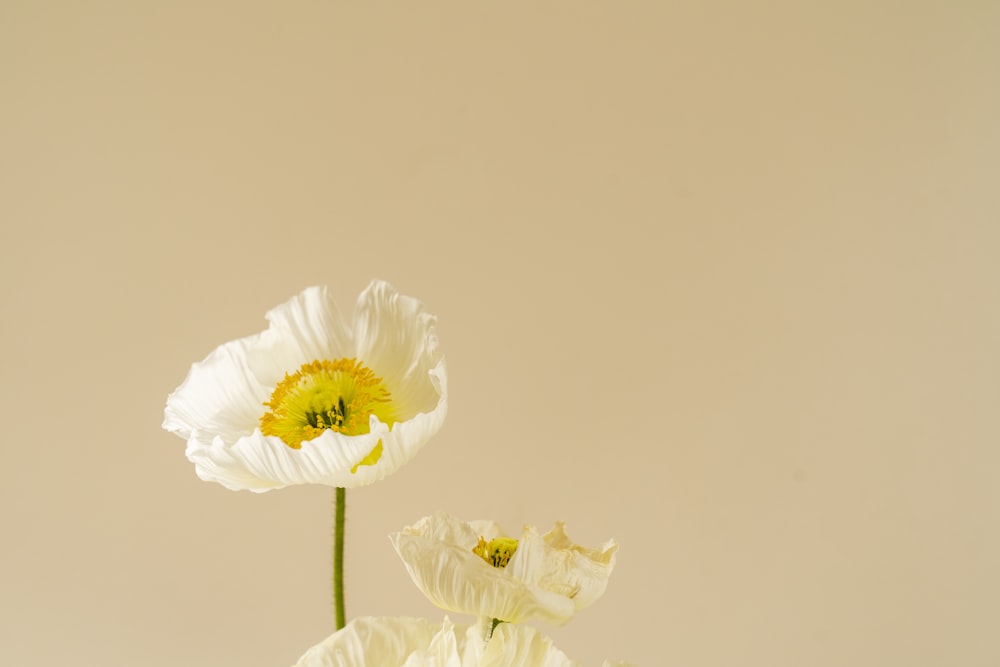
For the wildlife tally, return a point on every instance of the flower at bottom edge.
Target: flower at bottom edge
(315, 399)
(415, 642)
(476, 568)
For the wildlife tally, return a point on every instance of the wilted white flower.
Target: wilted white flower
(415, 642)
(476, 568)
(314, 399)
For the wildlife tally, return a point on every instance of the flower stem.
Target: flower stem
(493, 626)
(338, 557)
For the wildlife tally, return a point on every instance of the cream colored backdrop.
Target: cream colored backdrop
(719, 280)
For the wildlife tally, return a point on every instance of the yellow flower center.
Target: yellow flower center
(497, 552)
(325, 395)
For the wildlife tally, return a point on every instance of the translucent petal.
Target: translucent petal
(396, 339)
(555, 563)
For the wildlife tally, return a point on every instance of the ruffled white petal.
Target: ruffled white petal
(522, 645)
(218, 407)
(411, 642)
(555, 563)
(219, 395)
(371, 642)
(397, 340)
(541, 580)
(307, 327)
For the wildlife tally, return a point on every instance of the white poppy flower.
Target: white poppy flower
(415, 642)
(313, 399)
(474, 568)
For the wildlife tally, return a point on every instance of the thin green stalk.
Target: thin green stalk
(493, 626)
(338, 557)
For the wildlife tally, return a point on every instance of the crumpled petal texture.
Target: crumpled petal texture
(414, 642)
(218, 407)
(549, 577)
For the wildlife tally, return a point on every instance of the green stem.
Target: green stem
(493, 626)
(338, 557)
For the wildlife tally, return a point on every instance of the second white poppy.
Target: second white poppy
(476, 568)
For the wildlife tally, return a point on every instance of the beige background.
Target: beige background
(718, 280)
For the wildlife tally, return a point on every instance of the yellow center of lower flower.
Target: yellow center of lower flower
(497, 552)
(325, 395)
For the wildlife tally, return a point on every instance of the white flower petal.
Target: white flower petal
(522, 645)
(396, 339)
(444, 648)
(411, 642)
(554, 563)
(541, 580)
(371, 642)
(309, 326)
(219, 394)
(261, 463)
(218, 407)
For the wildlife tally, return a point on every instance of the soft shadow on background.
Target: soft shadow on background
(719, 281)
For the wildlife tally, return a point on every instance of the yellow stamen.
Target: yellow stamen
(325, 395)
(497, 552)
